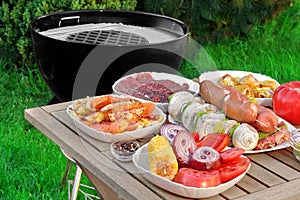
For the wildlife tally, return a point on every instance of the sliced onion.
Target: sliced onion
(170, 130)
(205, 158)
(184, 146)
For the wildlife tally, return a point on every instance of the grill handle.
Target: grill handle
(68, 21)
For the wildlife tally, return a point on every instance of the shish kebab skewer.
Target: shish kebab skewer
(205, 118)
(237, 106)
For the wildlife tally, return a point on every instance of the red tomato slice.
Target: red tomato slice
(218, 141)
(230, 155)
(195, 136)
(196, 178)
(231, 170)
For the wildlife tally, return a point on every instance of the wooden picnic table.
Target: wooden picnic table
(273, 175)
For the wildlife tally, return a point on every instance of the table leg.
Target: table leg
(76, 183)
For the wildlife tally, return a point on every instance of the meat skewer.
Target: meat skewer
(236, 106)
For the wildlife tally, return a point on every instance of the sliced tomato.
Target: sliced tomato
(196, 178)
(195, 136)
(218, 141)
(230, 155)
(231, 170)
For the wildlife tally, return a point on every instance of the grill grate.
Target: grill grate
(107, 37)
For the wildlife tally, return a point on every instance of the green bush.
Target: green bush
(213, 20)
(15, 18)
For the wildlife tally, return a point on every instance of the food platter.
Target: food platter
(85, 130)
(140, 160)
(192, 86)
(214, 76)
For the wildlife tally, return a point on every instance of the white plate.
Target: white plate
(281, 146)
(140, 160)
(193, 86)
(214, 76)
(108, 137)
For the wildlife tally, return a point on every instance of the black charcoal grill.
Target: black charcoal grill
(63, 40)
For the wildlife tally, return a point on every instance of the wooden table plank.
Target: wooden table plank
(262, 175)
(287, 157)
(287, 191)
(234, 192)
(250, 185)
(56, 107)
(275, 166)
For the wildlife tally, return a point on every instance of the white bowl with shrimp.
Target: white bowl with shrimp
(87, 131)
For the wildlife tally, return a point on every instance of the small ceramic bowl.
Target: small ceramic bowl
(295, 142)
(123, 150)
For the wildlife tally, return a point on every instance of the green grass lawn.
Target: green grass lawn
(31, 165)
(272, 49)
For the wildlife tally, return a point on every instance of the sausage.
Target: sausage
(241, 111)
(235, 105)
(212, 93)
(266, 121)
(241, 95)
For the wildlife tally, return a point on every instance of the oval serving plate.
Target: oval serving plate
(140, 160)
(193, 86)
(109, 137)
(214, 76)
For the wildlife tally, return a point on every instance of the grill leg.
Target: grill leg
(76, 183)
(66, 173)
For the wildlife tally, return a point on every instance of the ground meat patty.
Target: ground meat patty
(174, 87)
(127, 85)
(144, 77)
(153, 91)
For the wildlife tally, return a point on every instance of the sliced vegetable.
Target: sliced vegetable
(218, 141)
(196, 178)
(162, 160)
(205, 158)
(231, 170)
(170, 130)
(184, 146)
(206, 123)
(195, 136)
(176, 103)
(232, 154)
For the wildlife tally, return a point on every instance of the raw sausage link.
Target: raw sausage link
(212, 94)
(241, 111)
(234, 107)
(266, 121)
